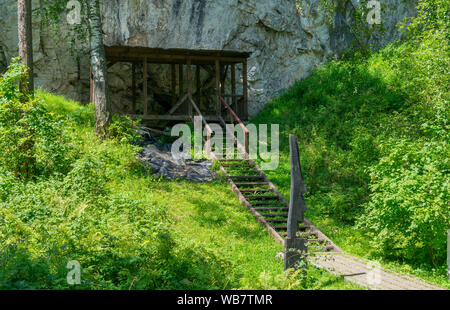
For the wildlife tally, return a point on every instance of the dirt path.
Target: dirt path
(365, 274)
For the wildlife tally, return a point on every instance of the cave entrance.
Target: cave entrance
(206, 77)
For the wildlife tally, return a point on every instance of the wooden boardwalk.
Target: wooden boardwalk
(367, 275)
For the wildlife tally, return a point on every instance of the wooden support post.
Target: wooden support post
(173, 84)
(233, 89)
(180, 80)
(222, 81)
(183, 108)
(295, 248)
(189, 78)
(133, 86)
(198, 85)
(218, 103)
(245, 93)
(145, 87)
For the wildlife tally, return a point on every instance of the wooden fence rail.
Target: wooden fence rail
(295, 247)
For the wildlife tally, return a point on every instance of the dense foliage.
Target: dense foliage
(375, 143)
(90, 200)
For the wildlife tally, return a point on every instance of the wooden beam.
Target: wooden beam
(153, 60)
(209, 70)
(173, 84)
(146, 51)
(297, 207)
(178, 104)
(180, 80)
(245, 86)
(211, 118)
(198, 85)
(233, 88)
(218, 103)
(145, 89)
(121, 55)
(189, 78)
(133, 86)
(222, 80)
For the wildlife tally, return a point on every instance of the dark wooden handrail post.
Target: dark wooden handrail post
(133, 86)
(295, 247)
(234, 117)
(145, 86)
(189, 78)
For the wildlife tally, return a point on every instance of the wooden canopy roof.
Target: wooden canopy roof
(174, 55)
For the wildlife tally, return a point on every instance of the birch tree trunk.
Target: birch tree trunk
(25, 41)
(101, 98)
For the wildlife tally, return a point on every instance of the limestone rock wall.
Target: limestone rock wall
(286, 42)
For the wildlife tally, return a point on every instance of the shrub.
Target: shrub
(32, 140)
(122, 129)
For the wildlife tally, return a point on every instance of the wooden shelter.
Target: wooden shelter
(220, 66)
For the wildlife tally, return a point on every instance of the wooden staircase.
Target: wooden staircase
(265, 202)
(255, 191)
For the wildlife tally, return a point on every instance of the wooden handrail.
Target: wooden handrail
(178, 104)
(207, 127)
(233, 116)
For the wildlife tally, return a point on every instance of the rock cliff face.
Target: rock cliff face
(286, 40)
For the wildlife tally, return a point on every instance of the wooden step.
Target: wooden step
(246, 177)
(271, 209)
(275, 214)
(236, 165)
(316, 240)
(223, 156)
(255, 190)
(250, 183)
(242, 173)
(284, 227)
(262, 197)
(300, 234)
(325, 248)
(276, 221)
(275, 204)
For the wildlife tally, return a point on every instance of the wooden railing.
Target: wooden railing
(207, 127)
(233, 118)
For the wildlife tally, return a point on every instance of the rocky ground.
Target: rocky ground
(157, 156)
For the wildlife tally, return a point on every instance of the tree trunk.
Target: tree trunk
(98, 63)
(25, 41)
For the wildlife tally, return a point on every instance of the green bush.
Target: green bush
(123, 129)
(408, 213)
(32, 140)
(373, 135)
(66, 208)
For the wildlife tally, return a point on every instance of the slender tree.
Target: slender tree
(98, 63)
(26, 41)
(86, 27)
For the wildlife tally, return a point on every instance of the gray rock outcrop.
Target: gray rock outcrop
(287, 41)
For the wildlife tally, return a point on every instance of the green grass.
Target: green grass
(130, 229)
(350, 117)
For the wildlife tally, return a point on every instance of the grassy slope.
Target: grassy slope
(340, 115)
(211, 241)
